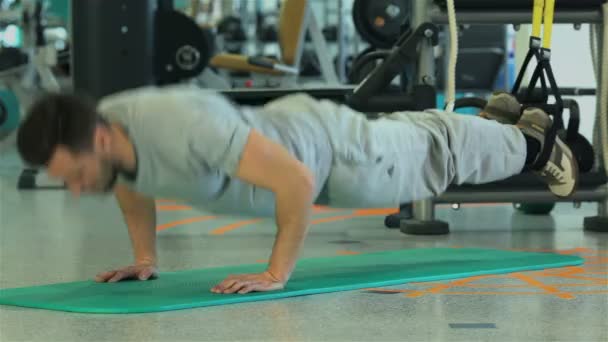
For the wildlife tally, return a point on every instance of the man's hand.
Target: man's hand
(135, 272)
(245, 283)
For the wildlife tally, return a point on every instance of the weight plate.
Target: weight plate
(379, 22)
(231, 28)
(185, 52)
(359, 71)
(188, 57)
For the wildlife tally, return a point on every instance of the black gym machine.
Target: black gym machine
(131, 51)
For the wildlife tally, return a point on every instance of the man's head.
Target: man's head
(66, 135)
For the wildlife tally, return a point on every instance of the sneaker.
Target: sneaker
(560, 172)
(502, 107)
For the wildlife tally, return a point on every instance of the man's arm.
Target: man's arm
(269, 165)
(140, 216)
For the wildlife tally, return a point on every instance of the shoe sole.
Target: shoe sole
(575, 171)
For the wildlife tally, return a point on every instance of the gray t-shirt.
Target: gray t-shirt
(189, 142)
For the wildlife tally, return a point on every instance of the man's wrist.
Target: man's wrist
(280, 277)
(146, 261)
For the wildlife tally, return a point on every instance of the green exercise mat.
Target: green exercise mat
(191, 288)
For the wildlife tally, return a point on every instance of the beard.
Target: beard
(113, 179)
(109, 172)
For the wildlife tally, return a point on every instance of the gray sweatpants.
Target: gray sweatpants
(417, 155)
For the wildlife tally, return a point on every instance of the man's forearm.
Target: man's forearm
(142, 231)
(294, 209)
(140, 216)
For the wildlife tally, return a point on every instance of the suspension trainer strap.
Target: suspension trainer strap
(543, 14)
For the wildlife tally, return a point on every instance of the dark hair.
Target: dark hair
(53, 120)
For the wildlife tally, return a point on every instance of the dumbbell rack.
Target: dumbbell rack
(419, 218)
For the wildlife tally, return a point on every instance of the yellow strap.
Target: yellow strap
(548, 30)
(537, 18)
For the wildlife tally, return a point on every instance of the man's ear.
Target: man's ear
(102, 140)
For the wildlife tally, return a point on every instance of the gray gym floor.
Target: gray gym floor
(46, 237)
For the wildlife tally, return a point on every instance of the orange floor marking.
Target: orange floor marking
(435, 290)
(231, 227)
(547, 288)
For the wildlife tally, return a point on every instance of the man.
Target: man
(191, 144)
